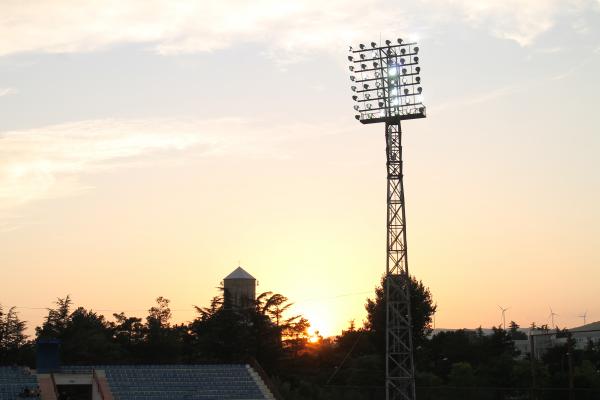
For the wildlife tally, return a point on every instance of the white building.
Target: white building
(544, 340)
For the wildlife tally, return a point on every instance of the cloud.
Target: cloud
(169, 26)
(48, 162)
(51, 162)
(518, 20)
(286, 27)
(478, 98)
(7, 91)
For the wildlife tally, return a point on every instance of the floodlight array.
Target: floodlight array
(385, 81)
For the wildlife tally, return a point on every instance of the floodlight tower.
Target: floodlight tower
(386, 85)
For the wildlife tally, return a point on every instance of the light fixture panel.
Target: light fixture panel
(387, 81)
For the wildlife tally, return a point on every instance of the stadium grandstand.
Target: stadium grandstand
(53, 381)
(137, 382)
(17, 382)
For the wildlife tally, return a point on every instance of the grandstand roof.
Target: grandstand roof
(240, 273)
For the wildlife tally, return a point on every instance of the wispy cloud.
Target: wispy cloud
(48, 162)
(168, 26)
(550, 50)
(10, 221)
(51, 161)
(477, 98)
(178, 26)
(521, 21)
(7, 91)
(576, 67)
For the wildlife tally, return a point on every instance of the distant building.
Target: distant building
(240, 289)
(544, 340)
(585, 334)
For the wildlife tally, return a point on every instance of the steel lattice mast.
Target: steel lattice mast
(400, 382)
(390, 93)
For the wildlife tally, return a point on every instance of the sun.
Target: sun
(320, 323)
(313, 335)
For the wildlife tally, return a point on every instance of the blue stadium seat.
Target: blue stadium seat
(13, 380)
(178, 382)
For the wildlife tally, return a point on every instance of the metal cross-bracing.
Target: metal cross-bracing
(400, 375)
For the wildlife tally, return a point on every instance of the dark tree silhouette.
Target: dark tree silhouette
(57, 319)
(223, 332)
(160, 337)
(514, 332)
(422, 310)
(12, 336)
(350, 366)
(88, 338)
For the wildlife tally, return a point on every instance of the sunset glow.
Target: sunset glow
(146, 150)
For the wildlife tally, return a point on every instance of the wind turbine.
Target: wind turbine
(584, 316)
(503, 315)
(552, 315)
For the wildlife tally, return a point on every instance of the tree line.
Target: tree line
(452, 365)
(219, 333)
(449, 365)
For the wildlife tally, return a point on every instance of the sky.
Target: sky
(148, 148)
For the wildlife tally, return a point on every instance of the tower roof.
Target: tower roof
(240, 273)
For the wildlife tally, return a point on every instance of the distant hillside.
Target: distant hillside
(486, 331)
(489, 331)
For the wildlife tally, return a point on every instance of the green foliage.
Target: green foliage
(461, 374)
(586, 375)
